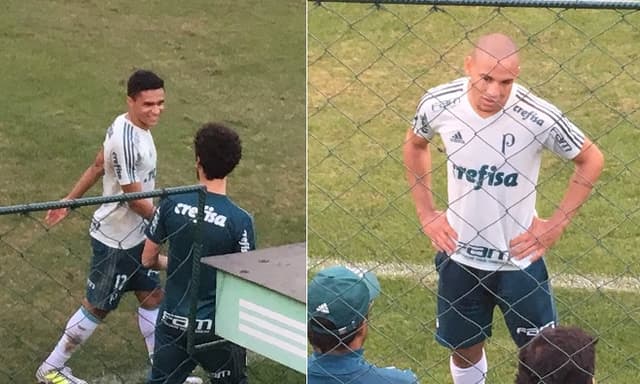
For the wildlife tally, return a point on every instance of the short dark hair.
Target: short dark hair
(329, 342)
(558, 355)
(219, 149)
(143, 80)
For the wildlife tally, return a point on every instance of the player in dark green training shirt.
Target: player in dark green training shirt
(228, 229)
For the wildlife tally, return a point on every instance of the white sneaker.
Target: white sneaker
(63, 375)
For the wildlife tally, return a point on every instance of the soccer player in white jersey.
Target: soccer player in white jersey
(126, 163)
(490, 241)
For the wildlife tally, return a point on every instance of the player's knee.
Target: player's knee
(97, 312)
(150, 300)
(466, 357)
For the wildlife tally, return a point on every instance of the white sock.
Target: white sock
(474, 374)
(147, 324)
(79, 327)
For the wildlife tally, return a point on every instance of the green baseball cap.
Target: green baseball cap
(341, 295)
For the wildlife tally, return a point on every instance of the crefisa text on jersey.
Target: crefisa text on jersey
(210, 216)
(528, 115)
(444, 104)
(486, 172)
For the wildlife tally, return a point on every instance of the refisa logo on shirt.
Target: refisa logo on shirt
(210, 216)
(486, 174)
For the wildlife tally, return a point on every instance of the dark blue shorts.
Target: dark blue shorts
(115, 271)
(223, 361)
(467, 297)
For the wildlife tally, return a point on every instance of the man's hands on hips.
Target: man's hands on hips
(443, 237)
(535, 242)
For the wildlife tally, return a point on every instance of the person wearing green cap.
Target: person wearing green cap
(338, 301)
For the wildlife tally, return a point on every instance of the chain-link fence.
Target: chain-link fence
(369, 64)
(47, 271)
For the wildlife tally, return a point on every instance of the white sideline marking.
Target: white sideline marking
(427, 274)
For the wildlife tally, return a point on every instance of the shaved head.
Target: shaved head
(492, 67)
(497, 46)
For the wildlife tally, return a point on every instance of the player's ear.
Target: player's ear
(468, 63)
(198, 165)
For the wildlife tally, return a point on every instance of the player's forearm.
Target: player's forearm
(421, 194)
(159, 264)
(88, 179)
(586, 173)
(162, 263)
(142, 207)
(417, 160)
(151, 257)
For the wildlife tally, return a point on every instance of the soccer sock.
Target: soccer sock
(147, 324)
(474, 374)
(78, 329)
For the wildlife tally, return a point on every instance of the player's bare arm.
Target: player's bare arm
(417, 161)
(544, 233)
(151, 257)
(142, 207)
(88, 179)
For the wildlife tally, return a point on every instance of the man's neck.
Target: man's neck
(337, 352)
(355, 345)
(135, 122)
(218, 186)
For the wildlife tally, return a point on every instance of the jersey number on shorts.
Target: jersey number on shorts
(120, 280)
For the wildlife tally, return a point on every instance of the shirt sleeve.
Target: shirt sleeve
(563, 138)
(156, 231)
(422, 125)
(246, 235)
(122, 152)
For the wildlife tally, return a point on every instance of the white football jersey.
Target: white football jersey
(129, 157)
(492, 166)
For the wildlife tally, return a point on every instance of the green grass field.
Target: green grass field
(64, 70)
(369, 66)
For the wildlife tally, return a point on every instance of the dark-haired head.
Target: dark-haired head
(143, 80)
(332, 341)
(218, 150)
(557, 356)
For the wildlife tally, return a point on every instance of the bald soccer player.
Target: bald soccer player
(490, 241)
